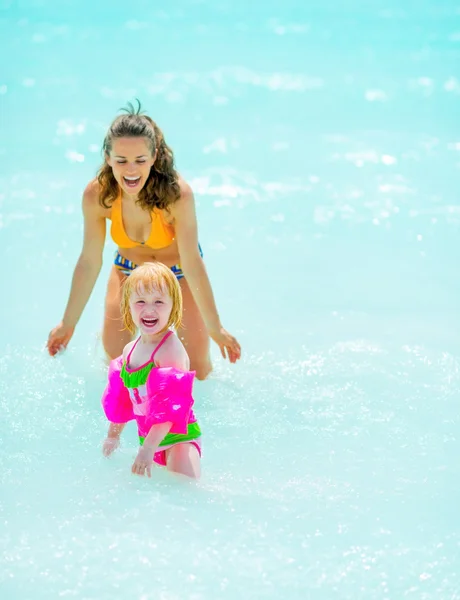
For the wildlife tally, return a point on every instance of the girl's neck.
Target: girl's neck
(151, 340)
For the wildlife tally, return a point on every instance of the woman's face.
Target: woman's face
(131, 160)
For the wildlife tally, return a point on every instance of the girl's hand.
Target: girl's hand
(229, 347)
(110, 445)
(144, 460)
(59, 337)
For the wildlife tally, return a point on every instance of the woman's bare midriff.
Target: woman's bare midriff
(169, 256)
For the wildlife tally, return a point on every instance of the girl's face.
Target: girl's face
(131, 160)
(150, 309)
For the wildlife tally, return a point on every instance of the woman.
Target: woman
(152, 214)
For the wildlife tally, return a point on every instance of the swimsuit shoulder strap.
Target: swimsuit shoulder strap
(131, 351)
(163, 340)
(116, 204)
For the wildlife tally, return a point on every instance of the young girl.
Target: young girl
(151, 381)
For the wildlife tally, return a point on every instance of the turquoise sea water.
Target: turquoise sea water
(322, 141)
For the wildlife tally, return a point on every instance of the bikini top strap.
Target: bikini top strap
(117, 202)
(131, 351)
(163, 340)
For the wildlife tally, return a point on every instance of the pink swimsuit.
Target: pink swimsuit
(152, 395)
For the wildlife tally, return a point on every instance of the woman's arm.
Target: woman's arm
(193, 267)
(90, 261)
(85, 273)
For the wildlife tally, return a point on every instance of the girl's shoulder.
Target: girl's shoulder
(127, 349)
(173, 354)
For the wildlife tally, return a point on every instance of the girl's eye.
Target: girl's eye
(158, 302)
(140, 302)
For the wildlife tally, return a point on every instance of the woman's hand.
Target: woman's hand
(229, 346)
(59, 337)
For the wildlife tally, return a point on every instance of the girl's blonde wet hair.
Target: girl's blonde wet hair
(152, 276)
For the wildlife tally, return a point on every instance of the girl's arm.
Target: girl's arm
(144, 459)
(186, 229)
(112, 441)
(115, 393)
(115, 430)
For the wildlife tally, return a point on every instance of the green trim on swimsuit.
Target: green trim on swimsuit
(136, 378)
(193, 432)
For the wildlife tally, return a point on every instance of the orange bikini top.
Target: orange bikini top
(161, 233)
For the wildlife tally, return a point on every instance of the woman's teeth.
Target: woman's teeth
(131, 181)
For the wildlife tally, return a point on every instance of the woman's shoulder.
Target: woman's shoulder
(185, 198)
(91, 197)
(185, 189)
(92, 189)
(91, 192)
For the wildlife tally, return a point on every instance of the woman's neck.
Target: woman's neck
(130, 198)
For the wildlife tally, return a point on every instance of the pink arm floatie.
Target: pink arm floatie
(170, 398)
(116, 402)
